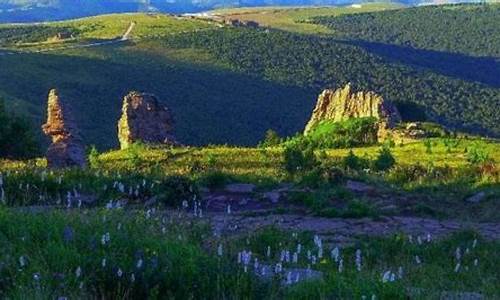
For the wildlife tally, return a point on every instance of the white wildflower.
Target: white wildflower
(22, 261)
(358, 260)
(458, 254)
(78, 272)
(289, 278)
(417, 260)
(474, 243)
(119, 272)
(476, 262)
(457, 267)
(139, 263)
(335, 254)
(219, 250)
(103, 262)
(341, 265)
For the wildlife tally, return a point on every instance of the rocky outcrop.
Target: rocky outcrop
(345, 103)
(67, 149)
(144, 119)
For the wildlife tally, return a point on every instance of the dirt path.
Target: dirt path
(339, 231)
(125, 37)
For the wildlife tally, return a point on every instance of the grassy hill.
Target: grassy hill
(229, 85)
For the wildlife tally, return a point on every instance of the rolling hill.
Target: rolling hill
(230, 84)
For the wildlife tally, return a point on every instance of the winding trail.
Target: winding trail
(125, 37)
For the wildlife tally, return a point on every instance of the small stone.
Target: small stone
(476, 198)
(240, 188)
(274, 197)
(357, 186)
(151, 201)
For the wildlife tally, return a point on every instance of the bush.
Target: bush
(299, 157)
(353, 132)
(93, 158)
(174, 190)
(353, 162)
(384, 160)
(475, 155)
(16, 137)
(271, 139)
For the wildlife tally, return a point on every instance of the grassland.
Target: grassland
(296, 19)
(55, 246)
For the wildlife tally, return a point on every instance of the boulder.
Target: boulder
(345, 103)
(145, 120)
(67, 149)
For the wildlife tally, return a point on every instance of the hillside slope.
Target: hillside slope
(229, 85)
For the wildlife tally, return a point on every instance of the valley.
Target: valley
(345, 152)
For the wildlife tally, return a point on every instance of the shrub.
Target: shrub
(93, 158)
(353, 162)
(16, 137)
(299, 157)
(475, 155)
(384, 160)
(349, 133)
(271, 139)
(173, 190)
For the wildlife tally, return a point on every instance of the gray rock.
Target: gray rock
(243, 188)
(273, 196)
(357, 186)
(476, 198)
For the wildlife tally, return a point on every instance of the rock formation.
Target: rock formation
(67, 149)
(144, 119)
(344, 103)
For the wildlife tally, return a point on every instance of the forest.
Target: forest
(442, 88)
(470, 29)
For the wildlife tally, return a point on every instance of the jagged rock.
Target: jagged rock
(144, 119)
(67, 149)
(345, 103)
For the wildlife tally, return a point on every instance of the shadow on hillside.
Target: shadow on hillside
(209, 106)
(485, 70)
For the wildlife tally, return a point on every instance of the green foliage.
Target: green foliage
(298, 157)
(174, 190)
(476, 155)
(353, 162)
(271, 139)
(464, 28)
(16, 136)
(345, 134)
(428, 146)
(450, 90)
(385, 160)
(53, 255)
(31, 33)
(93, 158)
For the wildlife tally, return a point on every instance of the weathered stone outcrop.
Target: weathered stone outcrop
(344, 103)
(144, 119)
(67, 149)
